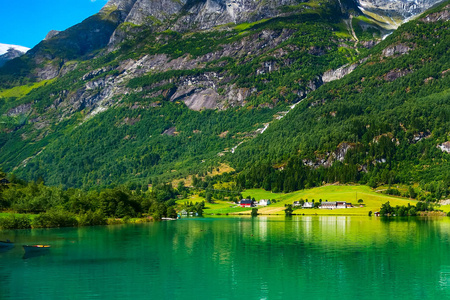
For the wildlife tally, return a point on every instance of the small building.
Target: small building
(264, 202)
(341, 204)
(296, 203)
(376, 214)
(308, 205)
(335, 205)
(328, 205)
(247, 203)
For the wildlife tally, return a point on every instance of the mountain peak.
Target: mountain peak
(8, 52)
(4, 48)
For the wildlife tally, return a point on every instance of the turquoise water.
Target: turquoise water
(234, 258)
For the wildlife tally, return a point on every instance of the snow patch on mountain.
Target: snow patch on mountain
(5, 47)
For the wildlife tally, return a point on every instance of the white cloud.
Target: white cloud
(4, 48)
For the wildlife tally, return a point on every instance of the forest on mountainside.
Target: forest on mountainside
(391, 114)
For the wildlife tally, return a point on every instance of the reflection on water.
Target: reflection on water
(32, 254)
(5, 248)
(235, 258)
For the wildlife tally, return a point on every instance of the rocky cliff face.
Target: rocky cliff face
(393, 13)
(204, 13)
(406, 8)
(191, 14)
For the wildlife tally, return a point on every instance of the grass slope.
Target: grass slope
(21, 91)
(348, 193)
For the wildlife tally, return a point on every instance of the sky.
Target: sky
(27, 22)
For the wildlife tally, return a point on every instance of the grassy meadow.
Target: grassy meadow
(372, 201)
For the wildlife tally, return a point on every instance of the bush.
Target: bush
(55, 218)
(114, 222)
(91, 218)
(288, 211)
(15, 222)
(254, 212)
(393, 192)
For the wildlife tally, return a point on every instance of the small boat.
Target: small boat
(35, 250)
(6, 245)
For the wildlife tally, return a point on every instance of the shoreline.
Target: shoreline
(140, 221)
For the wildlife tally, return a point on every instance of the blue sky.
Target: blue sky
(27, 22)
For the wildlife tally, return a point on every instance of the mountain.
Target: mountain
(385, 123)
(147, 91)
(8, 52)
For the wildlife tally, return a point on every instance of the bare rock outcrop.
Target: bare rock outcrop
(205, 99)
(19, 110)
(326, 160)
(445, 147)
(332, 75)
(398, 49)
(51, 34)
(443, 15)
(396, 73)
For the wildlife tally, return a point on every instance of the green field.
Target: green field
(20, 91)
(218, 207)
(7, 214)
(259, 194)
(350, 193)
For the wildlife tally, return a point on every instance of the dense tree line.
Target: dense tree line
(44, 206)
(402, 211)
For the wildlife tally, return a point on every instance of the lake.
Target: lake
(235, 258)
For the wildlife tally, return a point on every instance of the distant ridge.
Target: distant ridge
(5, 47)
(8, 52)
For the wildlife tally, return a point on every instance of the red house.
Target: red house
(246, 203)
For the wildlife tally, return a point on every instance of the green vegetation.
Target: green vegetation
(392, 123)
(126, 143)
(348, 193)
(378, 126)
(129, 145)
(23, 90)
(35, 205)
(402, 211)
(254, 212)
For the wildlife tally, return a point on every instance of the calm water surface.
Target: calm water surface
(235, 258)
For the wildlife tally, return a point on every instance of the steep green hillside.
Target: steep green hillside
(385, 123)
(168, 104)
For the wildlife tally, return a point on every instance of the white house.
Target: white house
(308, 205)
(264, 202)
(334, 205)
